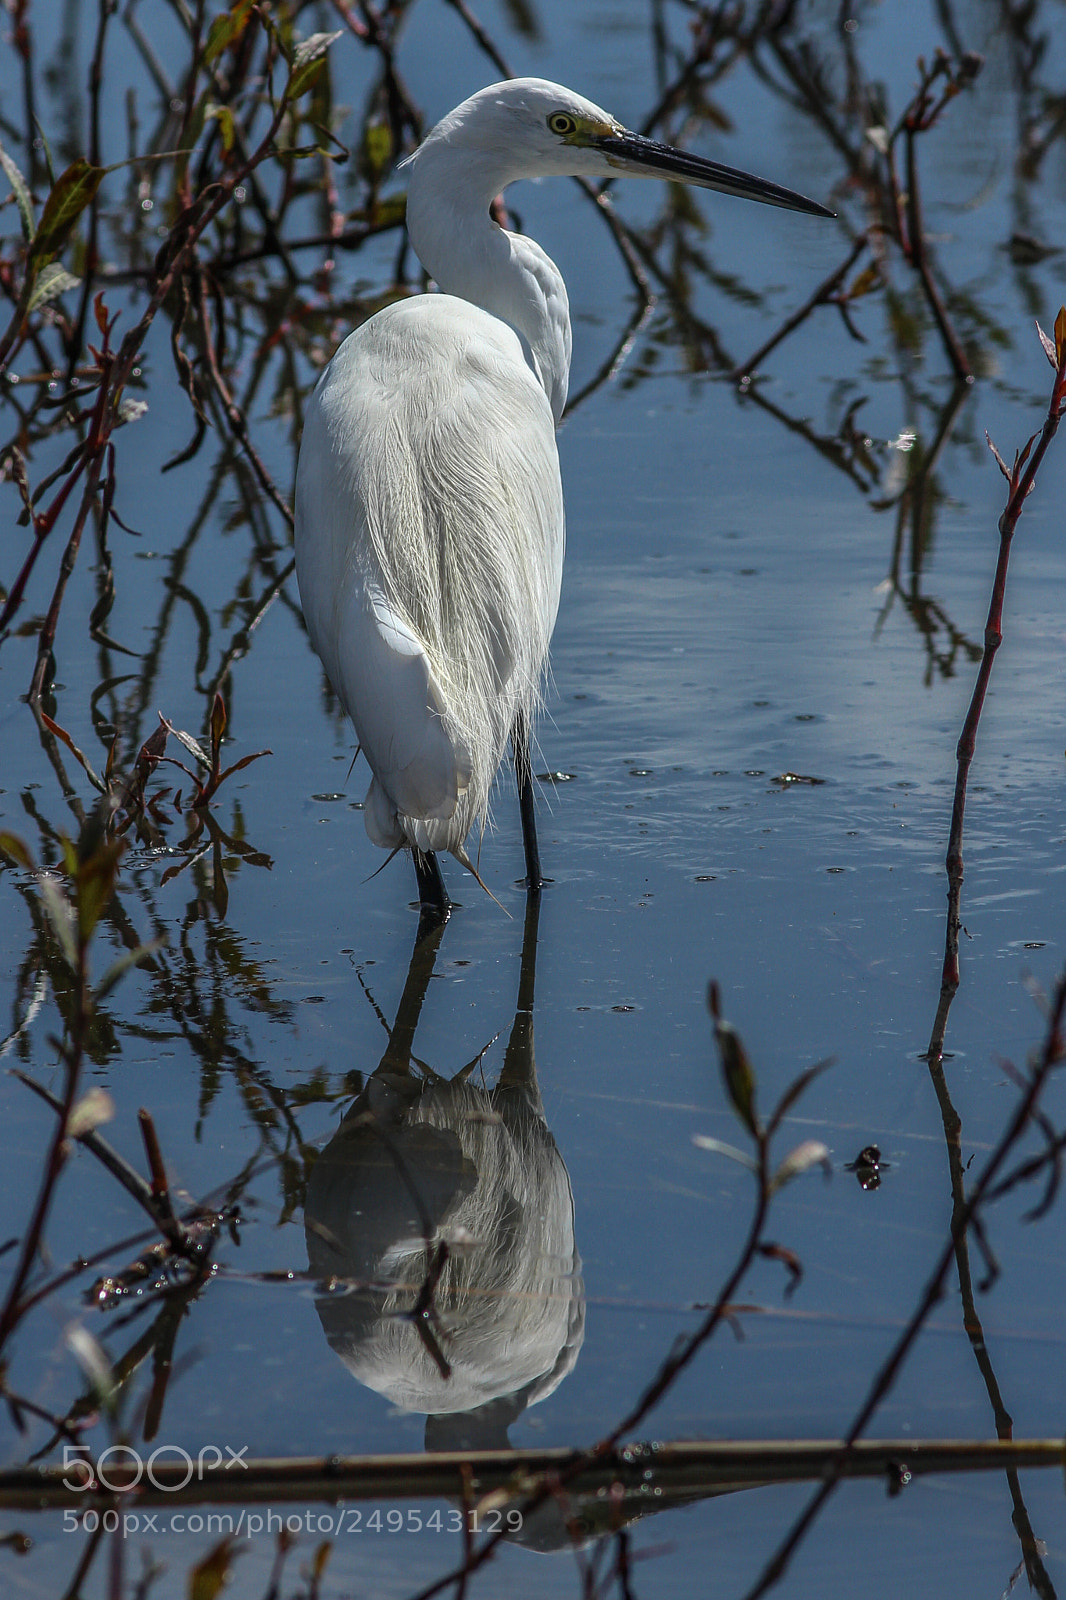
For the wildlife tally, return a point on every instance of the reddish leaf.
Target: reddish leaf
(218, 726)
(789, 1260)
(61, 733)
(1049, 348)
(245, 761)
(1000, 463)
(194, 748)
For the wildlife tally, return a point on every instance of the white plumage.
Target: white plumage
(438, 556)
(429, 510)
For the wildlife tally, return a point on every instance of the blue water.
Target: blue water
(725, 621)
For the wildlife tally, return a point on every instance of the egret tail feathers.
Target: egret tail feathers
(464, 861)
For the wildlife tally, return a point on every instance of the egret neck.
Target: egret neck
(470, 256)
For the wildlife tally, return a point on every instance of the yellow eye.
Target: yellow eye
(562, 123)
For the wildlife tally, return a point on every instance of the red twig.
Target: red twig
(1021, 478)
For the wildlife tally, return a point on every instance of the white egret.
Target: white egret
(429, 508)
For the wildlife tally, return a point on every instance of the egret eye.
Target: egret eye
(562, 123)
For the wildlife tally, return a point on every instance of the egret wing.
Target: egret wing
(429, 553)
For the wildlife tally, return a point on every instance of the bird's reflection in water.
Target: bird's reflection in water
(444, 1209)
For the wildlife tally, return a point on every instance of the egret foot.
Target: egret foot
(434, 906)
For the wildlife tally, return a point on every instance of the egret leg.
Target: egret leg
(398, 1057)
(436, 908)
(524, 775)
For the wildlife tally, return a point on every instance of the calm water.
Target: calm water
(726, 620)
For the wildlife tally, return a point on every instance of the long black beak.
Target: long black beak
(646, 158)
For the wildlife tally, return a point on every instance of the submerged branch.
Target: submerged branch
(691, 1469)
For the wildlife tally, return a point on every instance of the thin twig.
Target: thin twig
(1021, 480)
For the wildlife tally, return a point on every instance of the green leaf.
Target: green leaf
(130, 958)
(228, 128)
(208, 1579)
(868, 280)
(377, 148)
(60, 914)
(21, 193)
(225, 29)
(388, 213)
(307, 61)
(11, 845)
(738, 1075)
(96, 884)
(52, 281)
(73, 190)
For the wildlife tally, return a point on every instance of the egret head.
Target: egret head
(530, 128)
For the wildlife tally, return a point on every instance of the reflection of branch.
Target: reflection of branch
(75, 339)
(823, 293)
(919, 258)
(962, 1210)
(901, 215)
(612, 365)
(73, 913)
(240, 644)
(234, 415)
(963, 1219)
(696, 72)
(929, 617)
(621, 235)
(482, 37)
(971, 1321)
(740, 1084)
(915, 507)
(845, 450)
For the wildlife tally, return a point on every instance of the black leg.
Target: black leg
(432, 895)
(524, 775)
(398, 1057)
